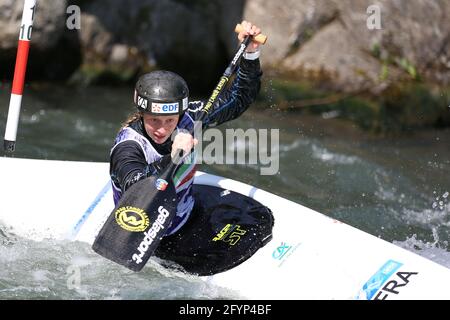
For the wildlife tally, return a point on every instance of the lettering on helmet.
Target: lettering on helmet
(142, 102)
(185, 103)
(165, 107)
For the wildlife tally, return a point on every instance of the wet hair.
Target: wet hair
(133, 117)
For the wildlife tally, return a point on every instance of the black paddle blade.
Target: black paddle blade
(135, 227)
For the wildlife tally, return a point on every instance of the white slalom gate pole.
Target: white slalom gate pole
(19, 75)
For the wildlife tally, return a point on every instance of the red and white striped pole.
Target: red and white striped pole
(19, 75)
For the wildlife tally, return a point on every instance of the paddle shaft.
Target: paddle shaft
(225, 78)
(231, 68)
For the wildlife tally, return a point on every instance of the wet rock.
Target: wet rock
(54, 52)
(329, 41)
(333, 37)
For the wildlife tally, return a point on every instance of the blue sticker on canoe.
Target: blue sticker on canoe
(378, 279)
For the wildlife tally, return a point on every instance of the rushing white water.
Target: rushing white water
(397, 189)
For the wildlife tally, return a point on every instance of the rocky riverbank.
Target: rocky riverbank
(383, 64)
(402, 107)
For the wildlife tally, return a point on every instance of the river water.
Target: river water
(394, 188)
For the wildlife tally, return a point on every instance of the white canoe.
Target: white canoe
(311, 256)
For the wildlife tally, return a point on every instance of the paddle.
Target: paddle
(145, 211)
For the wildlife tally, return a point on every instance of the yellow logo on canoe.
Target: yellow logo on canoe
(231, 233)
(132, 219)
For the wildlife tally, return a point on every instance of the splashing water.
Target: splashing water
(53, 269)
(429, 250)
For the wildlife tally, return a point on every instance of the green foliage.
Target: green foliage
(376, 50)
(411, 106)
(93, 74)
(278, 90)
(407, 66)
(384, 74)
(403, 106)
(387, 59)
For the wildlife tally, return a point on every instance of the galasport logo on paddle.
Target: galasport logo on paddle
(153, 233)
(161, 184)
(132, 219)
(379, 288)
(231, 233)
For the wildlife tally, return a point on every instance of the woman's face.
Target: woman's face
(160, 128)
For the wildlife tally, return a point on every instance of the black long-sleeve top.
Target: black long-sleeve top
(128, 162)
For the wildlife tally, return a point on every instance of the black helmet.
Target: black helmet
(162, 93)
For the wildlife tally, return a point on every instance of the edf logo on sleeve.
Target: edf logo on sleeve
(165, 107)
